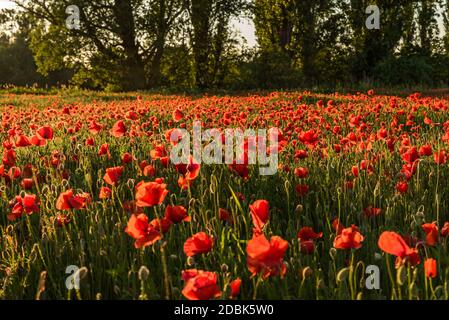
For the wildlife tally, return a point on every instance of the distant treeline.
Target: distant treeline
(122, 45)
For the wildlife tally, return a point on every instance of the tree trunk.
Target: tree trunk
(200, 16)
(133, 66)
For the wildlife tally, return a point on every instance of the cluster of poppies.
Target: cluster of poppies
(356, 143)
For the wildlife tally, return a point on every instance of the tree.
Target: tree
(17, 66)
(301, 30)
(428, 25)
(446, 26)
(372, 46)
(120, 40)
(210, 23)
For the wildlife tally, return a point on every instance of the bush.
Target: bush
(405, 70)
(269, 70)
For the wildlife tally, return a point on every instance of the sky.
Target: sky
(5, 4)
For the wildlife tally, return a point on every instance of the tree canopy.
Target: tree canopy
(144, 44)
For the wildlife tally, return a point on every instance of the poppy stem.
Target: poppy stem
(166, 275)
(256, 286)
(390, 274)
(164, 262)
(351, 277)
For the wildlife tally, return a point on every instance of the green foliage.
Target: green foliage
(414, 69)
(271, 70)
(131, 45)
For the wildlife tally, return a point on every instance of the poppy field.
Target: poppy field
(92, 206)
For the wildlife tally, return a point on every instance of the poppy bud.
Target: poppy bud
(307, 272)
(343, 274)
(41, 284)
(82, 273)
(190, 261)
(430, 268)
(143, 273)
(333, 253)
(299, 208)
(44, 238)
(117, 290)
(224, 268)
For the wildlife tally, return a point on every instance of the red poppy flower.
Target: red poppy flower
(67, 201)
(183, 183)
(430, 268)
(26, 204)
(266, 257)
(411, 155)
(440, 157)
(104, 150)
(260, 213)
(189, 170)
(350, 238)
(307, 247)
(27, 183)
(173, 136)
(94, 127)
(372, 212)
(445, 229)
(176, 214)
(392, 243)
(105, 193)
(113, 175)
(162, 225)
(119, 129)
(150, 193)
(131, 208)
(338, 227)
(89, 142)
(240, 169)
(301, 172)
(177, 115)
(309, 138)
(307, 233)
(355, 171)
(127, 158)
(14, 173)
(36, 141)
(226, 216)
(158, 152)
(235, 287)
(200, 285)
(62, 219)
(402, 187)
(432, 233)
(144, 234)
(425, 151)
(301, 154)
(165, 161)
(9, 158)
(45, 133)
(197, 244)
(302, 189)
(22, 141)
